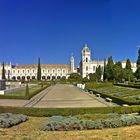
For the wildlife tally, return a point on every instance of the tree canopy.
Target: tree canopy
(137, 73)
(128, 64)
(118, 72)
(109, 69)
(3, 71)
(75, 76)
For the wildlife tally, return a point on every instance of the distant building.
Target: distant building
(57, 71)
(29, 72)
(87, 65)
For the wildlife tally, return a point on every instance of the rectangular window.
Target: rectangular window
(94, 68)
(86, 68)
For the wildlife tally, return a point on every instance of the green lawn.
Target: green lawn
(127, 93)
(23, 91)
(22, 94)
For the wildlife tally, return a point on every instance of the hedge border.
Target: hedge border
(129, 86)
(47, 112)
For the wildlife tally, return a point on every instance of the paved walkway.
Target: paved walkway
(68, 96)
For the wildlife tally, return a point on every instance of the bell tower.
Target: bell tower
(72, 64)
(86, 61)
(86, 55)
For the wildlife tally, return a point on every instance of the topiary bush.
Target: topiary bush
(9, 119)
(59, 123)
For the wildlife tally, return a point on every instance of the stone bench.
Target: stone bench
(125, 105)
(98, 95)
(108, 99)
(91, 92)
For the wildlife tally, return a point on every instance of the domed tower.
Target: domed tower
(86, 61)
(72, 64)
(86, 55)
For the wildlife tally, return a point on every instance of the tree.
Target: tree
(128, 75)
(118, 72)
(27, 91)
(109, 69)
(39, 70)
(138, 60)
(137, 73)
(75, 76)
(3, 72)
(104, 72)
(93, 77)
(85, 79)
(98, 73)
(128, 64)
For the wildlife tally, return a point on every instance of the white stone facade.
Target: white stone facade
(29, 72)
(87, 65)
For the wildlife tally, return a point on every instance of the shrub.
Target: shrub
(97, 116)
(59, 123)
(9, 119)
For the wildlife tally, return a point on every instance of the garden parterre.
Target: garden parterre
(131, 94)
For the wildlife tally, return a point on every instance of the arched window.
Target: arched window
(63, 77)
(23, 77)
(43, 77)
(58, 77)
(18, 77)
(86, 59)
(14, 78)
(53, 77)
(33, 77)
(48, 77)
(28, 77)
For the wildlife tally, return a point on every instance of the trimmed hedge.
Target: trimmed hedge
(130, 86)
(115, 99)
(60, 123)
(92, 85)
(42, 112)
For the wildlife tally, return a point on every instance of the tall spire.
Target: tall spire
(72, 63)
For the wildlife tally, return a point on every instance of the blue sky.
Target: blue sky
(53, 29)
